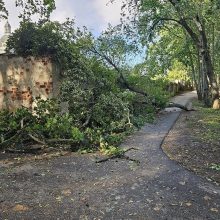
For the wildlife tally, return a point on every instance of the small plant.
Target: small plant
(215, 166)
(114, 151)
(109, 150)
(77, 135)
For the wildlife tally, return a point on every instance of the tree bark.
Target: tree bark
(201, 42)
(194, 75)
(207, 66)
(204, 82)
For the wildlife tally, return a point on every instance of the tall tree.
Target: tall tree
(194, 17)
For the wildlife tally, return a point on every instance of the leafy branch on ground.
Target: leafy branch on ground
(107, 99)
(116, 152)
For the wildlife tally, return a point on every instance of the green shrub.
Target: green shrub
(101, 108)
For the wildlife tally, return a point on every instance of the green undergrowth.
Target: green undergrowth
(47, 126)
(107, 100)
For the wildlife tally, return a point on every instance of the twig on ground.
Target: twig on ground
(37, 139)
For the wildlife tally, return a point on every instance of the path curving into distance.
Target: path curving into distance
(75, 187)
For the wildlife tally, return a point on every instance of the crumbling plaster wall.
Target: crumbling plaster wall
(24, 79)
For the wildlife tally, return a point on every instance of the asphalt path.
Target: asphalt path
(75, 187)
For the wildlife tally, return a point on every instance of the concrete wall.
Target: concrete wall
(23, 79)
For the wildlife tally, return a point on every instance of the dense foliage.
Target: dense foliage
(50, 39)
(185, 30)
(106, 98)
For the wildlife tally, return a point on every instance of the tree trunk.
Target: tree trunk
(204, 87)
(210, 72)
(201, 42)
(200, 87)
(196, 80)
(207, 67)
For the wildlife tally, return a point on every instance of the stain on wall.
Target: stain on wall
(24, 79)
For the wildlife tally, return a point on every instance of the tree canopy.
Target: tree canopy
(193, 21)
(28, 8)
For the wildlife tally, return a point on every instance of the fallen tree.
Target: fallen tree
(188, 107)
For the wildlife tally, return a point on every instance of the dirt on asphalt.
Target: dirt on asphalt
(186, 144)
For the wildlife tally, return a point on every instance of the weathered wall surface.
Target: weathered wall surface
(24, 79)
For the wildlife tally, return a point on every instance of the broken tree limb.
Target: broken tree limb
(11, 140)
(60, 141)
(87, 121)
(37, 139)
(121, 75)
(186, 108)
(28, 150)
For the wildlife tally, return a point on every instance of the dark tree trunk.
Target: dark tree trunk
(207, 67)
(211, 76)
(199, 89)
(204, 87)
(195, 75)
(200, 41)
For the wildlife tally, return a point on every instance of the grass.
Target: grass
(206, 122)
(195, 142)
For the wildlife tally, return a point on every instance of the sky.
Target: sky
(94, 14)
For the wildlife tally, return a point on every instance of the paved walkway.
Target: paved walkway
(75, 187)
